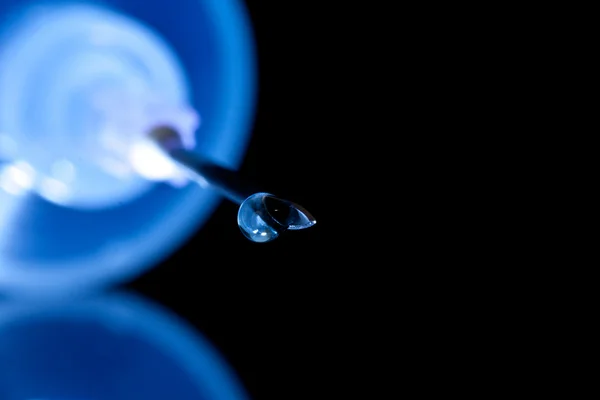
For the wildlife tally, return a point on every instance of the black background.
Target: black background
(268, 308)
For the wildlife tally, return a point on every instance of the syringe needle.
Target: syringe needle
(262, 217)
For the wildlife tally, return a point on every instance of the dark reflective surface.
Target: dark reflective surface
(113, 347)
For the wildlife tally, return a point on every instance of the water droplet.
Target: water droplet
(288, 214)
(262, 217)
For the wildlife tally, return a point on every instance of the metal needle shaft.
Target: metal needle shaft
(262, 217)
(227, 181)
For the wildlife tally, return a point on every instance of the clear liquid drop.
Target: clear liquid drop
(262, 217)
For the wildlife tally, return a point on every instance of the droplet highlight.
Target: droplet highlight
(263, 217)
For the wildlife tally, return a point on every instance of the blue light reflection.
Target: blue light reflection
(118, 347)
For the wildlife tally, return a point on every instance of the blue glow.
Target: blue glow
(118, 347)
(75, 82)
(47, 248)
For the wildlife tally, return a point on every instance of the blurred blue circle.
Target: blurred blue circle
(47, 249)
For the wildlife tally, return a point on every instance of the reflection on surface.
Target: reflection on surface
(114, 347)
